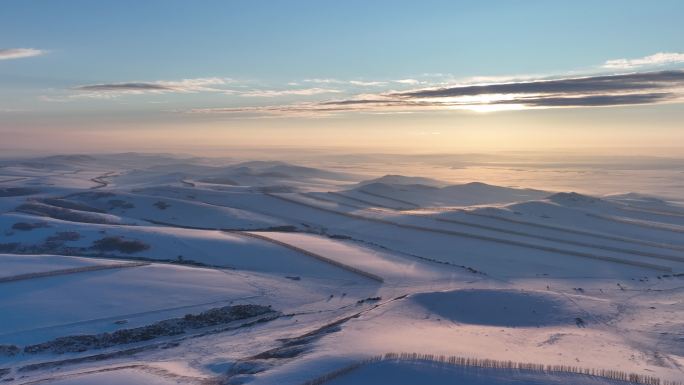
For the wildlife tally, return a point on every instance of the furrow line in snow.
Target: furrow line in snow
(310, 254)
(463, 234)
(568, 230)
(576, 231)
(365, 202)
(627, 207)
(388, 198)
(636, 222)
(321, 199)
(566, 241)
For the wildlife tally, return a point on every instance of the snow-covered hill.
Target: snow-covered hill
(164, 269)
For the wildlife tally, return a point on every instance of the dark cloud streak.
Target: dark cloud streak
(124, 87)
(589, 91)
(596, 100)
(606, 83)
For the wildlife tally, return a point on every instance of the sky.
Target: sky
(402, 76)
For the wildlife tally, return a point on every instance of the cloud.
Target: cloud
(197, 84)
(362, 83)
(589, 84)
(300, 92)
(367, 83)
(124, 87)
(110, 90)
(597, 100)
(587, 91)
(408, 81)
(658, 59)
(19, 53)
(324, 81)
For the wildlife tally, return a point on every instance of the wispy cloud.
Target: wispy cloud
(197, 84)
(354, 82)
(367, 83)
(19, 53)
(184, 85)
(658, 59)
(299, 92)
(324, 81)
(111, 90)
(408, 81)
(124, 87)
(587, 91)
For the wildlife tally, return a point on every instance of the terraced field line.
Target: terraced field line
(12, 180)
(576, 231)
(636, 222)
(310, 254)
(627, 207)
(414, 205)
(569, 230)
(74, 270)
(464, 234)
(562, 240)
(321, 199)
(365, 202)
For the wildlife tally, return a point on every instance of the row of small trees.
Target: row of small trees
(496, 364)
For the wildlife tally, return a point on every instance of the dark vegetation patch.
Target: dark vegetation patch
(52, 244)
(9, 350)
(25, 226)
(62, 236)
(120, 244)
(65, 236)
(282, 229)
(337, 236)
(94, 195)
(17, 191)
(67, 204)
(119, 204)
(161, 205)
(219, 180)
(276, 189)
(170, 327)
(9, 247)
(292, 347)
(369, 299)
(41, 209)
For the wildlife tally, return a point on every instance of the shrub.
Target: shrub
(169, 327)
(24, 226)
(67, 204)
(9, 350)
(120, 204)
(9, 247)
(36, 208)
(16, 191)
(119, 244)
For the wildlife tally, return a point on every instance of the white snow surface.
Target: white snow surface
(353, 268)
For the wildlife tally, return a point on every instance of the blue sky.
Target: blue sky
(156, 63)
